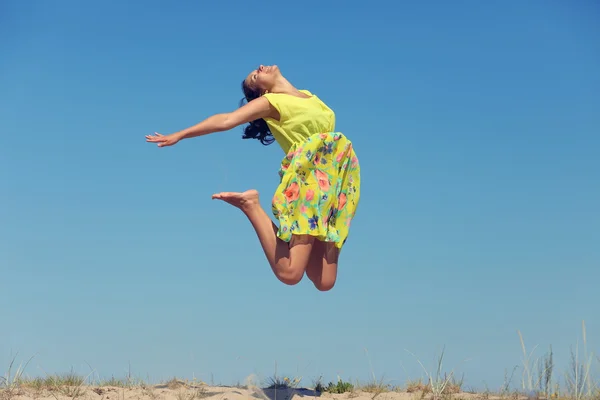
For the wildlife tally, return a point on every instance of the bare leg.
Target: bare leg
(322, 266)
(288, 261)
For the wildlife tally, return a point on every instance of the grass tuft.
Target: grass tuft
(340, 387)
(10, 383)
(441, 384)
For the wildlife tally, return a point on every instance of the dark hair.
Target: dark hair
(257, 129)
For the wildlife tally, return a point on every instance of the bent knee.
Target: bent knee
(324, 285)
(291, 277)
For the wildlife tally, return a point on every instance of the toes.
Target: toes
(229, 194)
(225, 195)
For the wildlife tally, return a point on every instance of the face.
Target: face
(263, 78)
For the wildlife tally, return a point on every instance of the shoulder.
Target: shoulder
(285, 103)
(286, 96)
(253, 110)
(279, 101)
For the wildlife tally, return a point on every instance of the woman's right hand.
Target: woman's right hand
(163, 140)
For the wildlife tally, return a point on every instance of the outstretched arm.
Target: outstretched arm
(256, 109)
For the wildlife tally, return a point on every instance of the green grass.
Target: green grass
(339, 387)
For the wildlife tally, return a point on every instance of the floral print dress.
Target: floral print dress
(319, 188)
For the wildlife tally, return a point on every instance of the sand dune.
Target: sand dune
(205, 392)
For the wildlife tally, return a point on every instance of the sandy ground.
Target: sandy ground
(187, 392)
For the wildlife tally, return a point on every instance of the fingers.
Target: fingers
(161, 140)
(157, 137)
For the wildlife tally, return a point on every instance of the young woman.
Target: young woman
(319, 186)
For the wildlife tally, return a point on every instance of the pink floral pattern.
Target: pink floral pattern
(319, 189)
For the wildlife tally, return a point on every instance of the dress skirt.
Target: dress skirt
(319, 189)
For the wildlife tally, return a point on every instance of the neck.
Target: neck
(282, 85)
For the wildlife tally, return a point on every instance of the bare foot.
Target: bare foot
(244, 201)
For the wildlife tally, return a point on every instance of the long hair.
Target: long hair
(257, 129)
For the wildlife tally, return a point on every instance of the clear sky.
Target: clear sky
(477, 127)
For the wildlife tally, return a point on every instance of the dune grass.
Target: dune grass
(539, 380)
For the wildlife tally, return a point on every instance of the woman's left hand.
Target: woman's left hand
(162, 140)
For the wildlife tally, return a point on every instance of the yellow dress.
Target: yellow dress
(319, 187)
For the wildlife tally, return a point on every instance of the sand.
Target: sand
(183, 391)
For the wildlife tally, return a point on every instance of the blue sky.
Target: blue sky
(475, 127)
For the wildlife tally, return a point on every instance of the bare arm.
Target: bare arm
(256, 109)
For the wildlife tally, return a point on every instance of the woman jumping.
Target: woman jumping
(319, 186)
